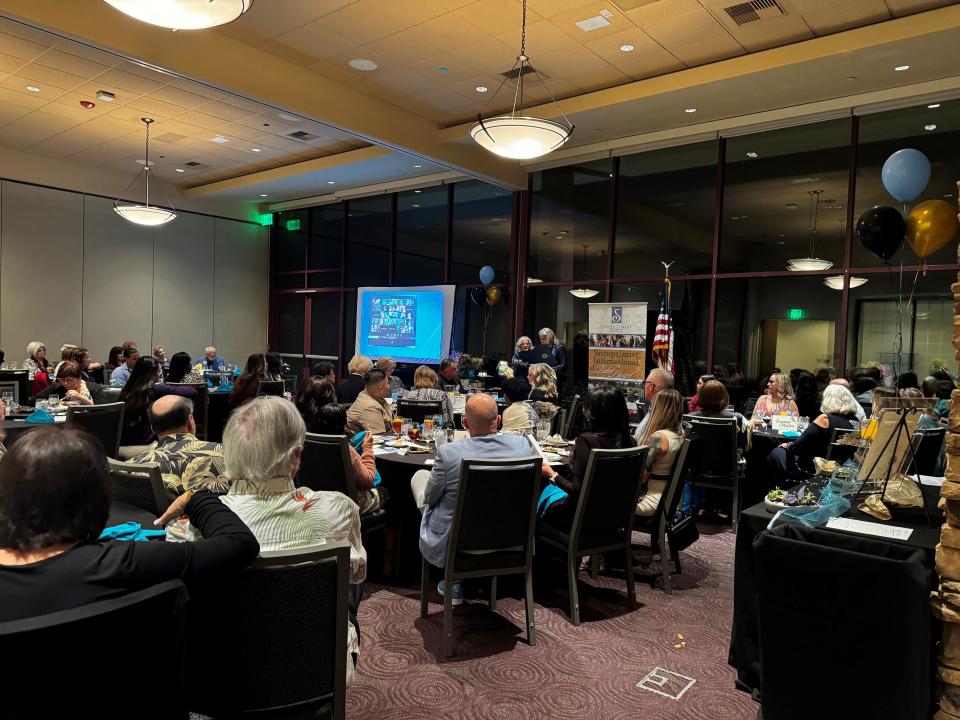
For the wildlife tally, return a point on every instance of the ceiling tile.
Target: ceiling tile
(118, 80)
(369, 20)
(693, 27)
(315, 40)
(19, 83)
(9, 63)
(660, 10)
(495, 17)
(269, 19)
(597, 79)
(712, 50)
(224, 111)
(488, 55)
(101, 57)
(21, 99)
(660, 63)
(26, 32)
(906, 7)
(202, 120)
(577, 59)
(770, 32)
(72, 99)
(20, 48)
(824, 18)
(33, 128)
(156, 108)
(59, 60)
(608, 47)
(542, 37)
(566, 22)
(177, 96)
(43, 75)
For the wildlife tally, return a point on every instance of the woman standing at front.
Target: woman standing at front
(663, 435)
(558, 352)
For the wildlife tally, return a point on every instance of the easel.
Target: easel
(900, 431)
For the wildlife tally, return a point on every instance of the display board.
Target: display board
(618, 341)
(410, 324)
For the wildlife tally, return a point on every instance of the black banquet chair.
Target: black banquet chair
(280, 633)
(927, 449)
(31, 691)
(325, 465)
(417, 410)
(103, 421)
(713, 457)
(492, 533)
(603, 520)
(140, 485)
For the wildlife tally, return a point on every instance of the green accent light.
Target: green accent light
(265, 219)
(293, 224)
(796, 314)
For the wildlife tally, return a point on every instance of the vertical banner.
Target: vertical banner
(618, 340)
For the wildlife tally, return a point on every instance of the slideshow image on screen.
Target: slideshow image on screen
(393, 321)
(410, 324)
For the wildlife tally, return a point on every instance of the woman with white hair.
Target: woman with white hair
(839, 411)
(262, 444)
(348, 390)
(37, 358)
(523, 344)
(558, 359)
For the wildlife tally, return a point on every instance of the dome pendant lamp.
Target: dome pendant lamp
(811, 262)
(517, 136)
(145, 214)
(183, 14)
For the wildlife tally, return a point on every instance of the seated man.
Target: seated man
(435, 492)
(370, 410)
(186, 463)
(262, 444)
(120, 376)
(212, 361)
(448, 372)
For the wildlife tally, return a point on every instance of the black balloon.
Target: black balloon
(881, 229)
(478, 296)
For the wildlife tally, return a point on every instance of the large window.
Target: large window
(369, 239)
(482, 223)
(421, 236)
(665, 211)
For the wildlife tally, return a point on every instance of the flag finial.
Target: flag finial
(666, 267)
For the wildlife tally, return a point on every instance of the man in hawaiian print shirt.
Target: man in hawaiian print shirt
(186, 463)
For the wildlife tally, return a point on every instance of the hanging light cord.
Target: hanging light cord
(813, 217)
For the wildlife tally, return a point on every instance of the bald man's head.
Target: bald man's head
(841, 381)
(480, 415)
(172, 414)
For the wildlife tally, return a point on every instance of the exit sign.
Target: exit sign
(293, 224)
(796, 314)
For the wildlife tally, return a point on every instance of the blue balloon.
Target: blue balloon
(906, 174)
(486, 275)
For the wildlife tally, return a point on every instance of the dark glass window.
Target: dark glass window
(290, 233)
(326, 239)
(369, 229)
(570, 222)
(783, 190)
(481, 231)
(883, 134)
(665, 211)
(421, 236)
(290, 317)
(325, 324)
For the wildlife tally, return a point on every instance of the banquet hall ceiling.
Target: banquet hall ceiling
(282, 68)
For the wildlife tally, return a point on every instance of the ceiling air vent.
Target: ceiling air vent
(302, 136)
(753, 11)
(526, 70)
(196, 165)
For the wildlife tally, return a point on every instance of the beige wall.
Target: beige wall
(72, 270)
(804, 343)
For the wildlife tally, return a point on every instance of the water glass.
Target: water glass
(802, 423)
(543, 430)
(53, 401)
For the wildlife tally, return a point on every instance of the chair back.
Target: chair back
(158, 612)
(571, 418)
(139, 484)
(282, 622)
(417, 410)
(714, 451)
(11, 386)
(842, 453)
(496, 505)
(271, 387)
(325, 464)
(200, 404)
(748, 406)
(102, 421)
(608, 493)
(107, 372)
(927, 447)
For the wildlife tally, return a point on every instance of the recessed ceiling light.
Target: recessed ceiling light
(219, 139)
(626, 47)
(481, 88)
(106, 96)
(418, 166)
(331, 182)
(418, 191)
(180, 170)
(363, 64)
(791, 206)
(690, 110)
(290, 118)
(752, 154)
(442, 69)
(933, 106)
(559, 237)
(33, 88)
(901, 68)
(263, 194)
(929, 127)
(256, 149)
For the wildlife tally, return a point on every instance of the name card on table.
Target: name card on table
(784, 423)
(861, 527)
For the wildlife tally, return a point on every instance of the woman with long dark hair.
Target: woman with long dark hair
(142, 389)
(314, 393)
(181, 370)
(807, 395)
(248, 384)
(609, 427)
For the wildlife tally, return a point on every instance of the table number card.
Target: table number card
(891, 532)
(784, 423)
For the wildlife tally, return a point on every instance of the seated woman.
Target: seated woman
(695, 400)
(114, 358)
(609, 428)
(55, 499)
(426, 386)
(839, 410)
(806, 395)
(37, 358)
(519, 415)
(71, 387)
(181, 370)
(274, 366)
(779, 398)
(141, 389)
(388, 365)
(314, 393)
(88, 368)
(332, 420)
(248, 384)
(664, 435)
(543, 383)
(913, 397)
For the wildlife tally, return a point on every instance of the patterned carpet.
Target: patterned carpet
(590, 671)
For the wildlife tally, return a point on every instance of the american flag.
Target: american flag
(663, 337)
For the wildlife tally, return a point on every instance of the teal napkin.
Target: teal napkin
(129, 531)
(39, 416)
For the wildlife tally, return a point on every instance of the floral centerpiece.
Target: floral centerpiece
(468, 366)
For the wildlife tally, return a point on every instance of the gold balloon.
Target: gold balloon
(493, 295)
(931, 225)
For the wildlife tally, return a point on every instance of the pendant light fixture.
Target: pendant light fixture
(584, 293)
(811, 262)
(835, 282)
(183, 14)
(145, 214)
(518, 136)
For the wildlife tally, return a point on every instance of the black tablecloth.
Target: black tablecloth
(395, 474)
(744, 644)
(15, 429)
(123, 513)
